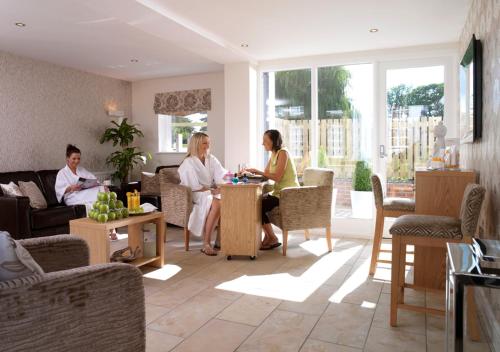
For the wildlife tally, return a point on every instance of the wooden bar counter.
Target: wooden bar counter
(241, 225)
(437, 192)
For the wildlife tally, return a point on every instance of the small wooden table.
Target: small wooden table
(96, 235)
(241, 224)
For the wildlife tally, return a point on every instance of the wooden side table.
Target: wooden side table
(241, 224)
(97, 237)
(437, 192)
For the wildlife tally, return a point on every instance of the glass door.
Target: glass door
(413, 106)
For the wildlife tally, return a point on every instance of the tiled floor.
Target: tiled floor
(311, 300)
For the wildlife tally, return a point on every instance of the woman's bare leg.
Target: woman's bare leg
(211, 223)
(269, 236)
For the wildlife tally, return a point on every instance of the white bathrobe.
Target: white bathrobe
(66, 177)
(195, 175)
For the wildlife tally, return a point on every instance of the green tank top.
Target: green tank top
(289, 178)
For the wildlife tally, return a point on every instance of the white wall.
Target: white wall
(241, 114)
(143, 93)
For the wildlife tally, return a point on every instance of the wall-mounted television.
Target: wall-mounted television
(471, 96)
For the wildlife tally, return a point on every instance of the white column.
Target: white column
(241, 140)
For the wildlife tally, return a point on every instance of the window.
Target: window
(174, 131)
(287, 97)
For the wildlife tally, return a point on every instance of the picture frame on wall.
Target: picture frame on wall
(471, 99)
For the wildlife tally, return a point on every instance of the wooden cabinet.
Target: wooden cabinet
(241, 224)
(437, 192)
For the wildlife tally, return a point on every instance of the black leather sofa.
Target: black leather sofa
(21, 221)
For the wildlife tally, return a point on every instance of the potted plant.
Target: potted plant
(124, 159)
(361, 194)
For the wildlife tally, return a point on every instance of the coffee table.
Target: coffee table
(97, 237)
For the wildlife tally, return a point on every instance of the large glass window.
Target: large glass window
(174, 131)
(287, 98)
(415, 105)
(345, 123)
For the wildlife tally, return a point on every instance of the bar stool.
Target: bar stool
(429, 231)
(388, 207)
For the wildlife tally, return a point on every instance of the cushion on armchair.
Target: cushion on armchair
(48, 181)
(150, 183)
(15, 260)
(170, 175)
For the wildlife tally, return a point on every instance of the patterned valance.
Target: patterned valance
(184, 102)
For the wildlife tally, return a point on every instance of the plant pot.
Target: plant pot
(362, 204)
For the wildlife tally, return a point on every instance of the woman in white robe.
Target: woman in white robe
(202, 172)
(67, 187)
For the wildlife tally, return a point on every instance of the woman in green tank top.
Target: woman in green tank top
(281, 170)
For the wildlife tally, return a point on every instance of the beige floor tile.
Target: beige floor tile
(216, 335)
(435, 300)
(250, 310)
(281, 331)
(154, 312)
(160, 342)
(387, 340)
(411, 297)
(314, 304)
(320, 346)
(177, 293)
(345, 324)
(365, 292)
(407, 321)
(190, 316)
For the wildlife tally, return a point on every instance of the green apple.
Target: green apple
(101, 196)
(112, 204)
(96, 205)
(119, 204)
(113, 195)
(102, 217)
(118, 213)
(111, 216)
(104, 209)
(125, 212)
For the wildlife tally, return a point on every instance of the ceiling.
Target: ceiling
(179, 37)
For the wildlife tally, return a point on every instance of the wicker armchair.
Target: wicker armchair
(73, 306)
(307, 207)
(176, 200)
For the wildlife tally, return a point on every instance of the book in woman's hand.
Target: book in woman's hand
(85, 183)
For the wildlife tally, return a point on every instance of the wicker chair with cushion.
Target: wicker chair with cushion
(176, 200)
(386, 207)
(307, 207)
(73, 306)
(430, 231)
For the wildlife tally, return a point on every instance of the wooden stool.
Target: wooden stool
(389, 207)
(429, 231)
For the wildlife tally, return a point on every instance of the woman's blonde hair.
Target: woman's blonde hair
(194, 143)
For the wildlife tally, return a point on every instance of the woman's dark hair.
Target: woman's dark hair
(71, 149)
(275, 137)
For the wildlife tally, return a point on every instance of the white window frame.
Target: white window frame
(163, 131)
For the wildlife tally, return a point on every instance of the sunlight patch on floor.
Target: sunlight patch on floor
(288, 287)
(355, 280)
(165, 273)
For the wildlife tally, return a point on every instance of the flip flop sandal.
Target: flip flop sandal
(271, 246)
(211, 254)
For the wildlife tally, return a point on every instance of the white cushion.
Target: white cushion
(11, 190)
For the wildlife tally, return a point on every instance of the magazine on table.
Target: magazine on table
(85, 183)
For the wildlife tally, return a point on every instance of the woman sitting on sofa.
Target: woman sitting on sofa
(201, 171)
(67, 186)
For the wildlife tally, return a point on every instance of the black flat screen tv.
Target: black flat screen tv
(471, 96)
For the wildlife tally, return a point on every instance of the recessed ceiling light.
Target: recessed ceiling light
(244, 45)
(373, 30)
(20, 24)
(134, 60)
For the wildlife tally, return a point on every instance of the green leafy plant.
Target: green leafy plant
(361, 178)
(127, 157)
